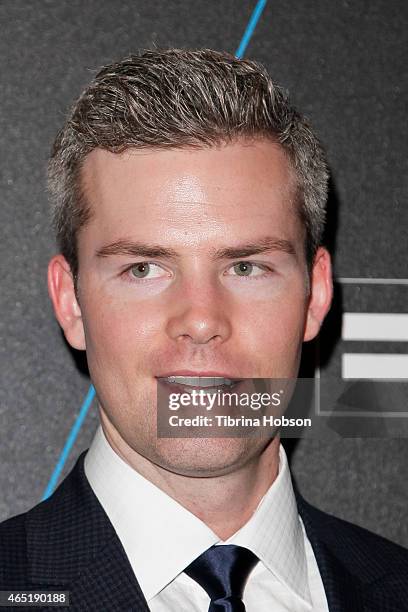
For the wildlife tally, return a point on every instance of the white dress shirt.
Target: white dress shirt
(161, 538)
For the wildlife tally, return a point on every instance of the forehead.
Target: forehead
(233, 187)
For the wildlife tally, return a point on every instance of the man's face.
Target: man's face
(193, 263)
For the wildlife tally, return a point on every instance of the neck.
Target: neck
(223, 502)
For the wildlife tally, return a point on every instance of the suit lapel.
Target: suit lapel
(108, 584)
(345, 590)
(72, 544)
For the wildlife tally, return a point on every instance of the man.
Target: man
(189, 204)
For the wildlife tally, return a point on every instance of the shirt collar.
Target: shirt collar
(161, 537)
(274, 533)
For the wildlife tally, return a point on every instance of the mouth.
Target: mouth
(205, 383)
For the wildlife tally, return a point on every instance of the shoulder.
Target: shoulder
(25, 537)
(342, 534)
(13, 551)
(372, 558)
(54, 541)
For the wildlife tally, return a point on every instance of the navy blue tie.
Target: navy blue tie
(222, 571)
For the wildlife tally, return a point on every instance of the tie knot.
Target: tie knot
(223, 571)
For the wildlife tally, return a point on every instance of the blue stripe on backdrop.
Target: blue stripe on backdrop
(73, 434)
(70, 441)
(252, 23)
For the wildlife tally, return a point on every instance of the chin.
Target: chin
(205, 457)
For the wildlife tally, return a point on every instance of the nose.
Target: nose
(200, 315)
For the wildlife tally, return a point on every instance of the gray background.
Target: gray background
(344, 63)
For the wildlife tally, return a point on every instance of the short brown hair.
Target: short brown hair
(177, 99)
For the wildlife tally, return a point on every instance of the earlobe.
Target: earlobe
(321, 294)
(66, 307)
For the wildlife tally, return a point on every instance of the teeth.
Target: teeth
(200, 381)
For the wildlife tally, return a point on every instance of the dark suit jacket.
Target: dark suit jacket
(68, 543)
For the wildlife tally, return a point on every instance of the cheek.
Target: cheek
(275, 327)
(118, 334)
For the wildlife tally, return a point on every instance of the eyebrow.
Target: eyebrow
(141, 249)
(263, 245)
(136, 249)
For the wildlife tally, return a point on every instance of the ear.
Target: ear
(321, 293)
(66, 306)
